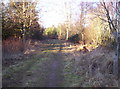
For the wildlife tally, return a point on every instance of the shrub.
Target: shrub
(75, 38)
(12, 46)
(51, 32)
(37, 34)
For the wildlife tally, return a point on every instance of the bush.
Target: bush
(51, 32)
(109, 41)
(37, 34)
(11, 46)
(75, 38)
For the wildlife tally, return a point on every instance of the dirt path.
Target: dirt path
(55, 77)
(53, 63)
(43, 69)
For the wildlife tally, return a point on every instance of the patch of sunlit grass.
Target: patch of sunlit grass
(45, 51)
(67, 51)
(29, 51)
(89, 47)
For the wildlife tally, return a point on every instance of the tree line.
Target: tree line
(20, 19)
(96, 22)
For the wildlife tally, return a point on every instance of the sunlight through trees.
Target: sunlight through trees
(84, 35)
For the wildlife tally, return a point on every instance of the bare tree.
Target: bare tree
(116, 59)
(68, 13)
(113, 27)
(84, 9)
(67, 21)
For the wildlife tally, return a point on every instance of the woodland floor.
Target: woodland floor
(53, 63)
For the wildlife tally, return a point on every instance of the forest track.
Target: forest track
(54, 63)
(42, 69)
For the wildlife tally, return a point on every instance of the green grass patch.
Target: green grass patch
(71, 77)
(25, 68)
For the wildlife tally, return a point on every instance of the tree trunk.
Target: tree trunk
(60, 34)
(67, 33)
(116, 59)
(23, 38)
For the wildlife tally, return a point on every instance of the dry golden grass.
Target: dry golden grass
(11, 46)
